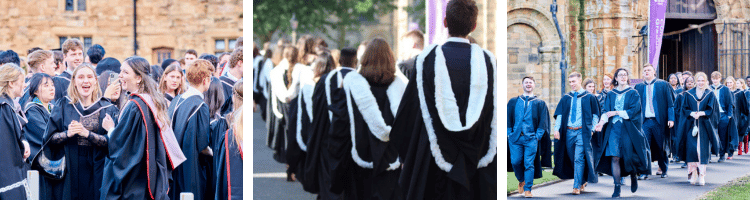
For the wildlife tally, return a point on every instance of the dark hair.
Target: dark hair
(32, 50)
(305, 46)
(323, 64)
(95, 53)
(692, 78)
(290, 53)
(378, 63)
(35, 83)
(235, 58)
(166, 63)
(211, 58)
(691, 73)
(675, 75)
(156, 72)
(614, 81)
(104, 79)
(191, 51)
(10, 56)
(58, 56)
(149, 86)
(527, 77)
(321, 44)
(109, 63)
(461, 17)
(214, 97)
(348, 57)
(256, 51)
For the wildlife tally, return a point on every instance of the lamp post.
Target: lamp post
(294, 24)
(563, 64)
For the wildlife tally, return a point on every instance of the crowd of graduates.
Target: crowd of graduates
(97, 128)
(623, 128)
(366, 124)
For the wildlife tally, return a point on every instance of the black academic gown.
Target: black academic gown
(708, 127)
(228, 85)
(680, 120)
(672, 131)
(635, 152)
(280, 124)
(374, 164)
(299, 130)
(470, 152)
(84, 156)
(563, 164)
(541, 119)
(229, 169)
(11, 137)
(38, 116)
(741, 112)
(327, 144)
(62, 82)
(730, 139)
(141, 157)
(663, 110)
(192, 129)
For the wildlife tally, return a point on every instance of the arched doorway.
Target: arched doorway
(690, 39)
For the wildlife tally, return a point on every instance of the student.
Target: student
(698, 132)
(464, 105)
(192, 131)
(228, 80)
(129, 169)
(40, 61)
(727, 125)
(622, 149)
(78, 126)
(230, 155)
(15, 148)
(679, 137)
(172, 82)
(657, 101)
(575, 116)
(38, 110)
(741, 109)
(190, 57)
(72, 50)
(528, 137)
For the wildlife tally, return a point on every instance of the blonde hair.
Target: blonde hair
(715, 74)
(728, 78)
(237, 126)
(37, 58)
(9, 72)
(75, 97)
(701, 74)
(237, 94)
(739, 83)
(174, 67)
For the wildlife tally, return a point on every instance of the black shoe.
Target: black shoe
(600, 174)
(633, 183)
(684, 165)
(616, 194)
(664, 175)
(722, 159)
(643, 177)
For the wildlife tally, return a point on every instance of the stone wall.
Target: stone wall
(179, 25)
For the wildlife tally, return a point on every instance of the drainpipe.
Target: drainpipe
(563, 63)
(135, 32)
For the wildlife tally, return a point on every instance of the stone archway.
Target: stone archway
(533, 50)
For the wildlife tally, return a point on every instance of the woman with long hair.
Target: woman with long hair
(674, 82)
(741, 85)
(78, 127)
(306, 48)
(214, 97)
(229, 156)
(606, 87)
(284, 84)
(679, 99)
(299, 129)
(590, 86)
(741, 110)
(15, 148)
(172, 81)
(372, 99)
(143, 149)
(41, 91)
(622, 149)
(698, 132)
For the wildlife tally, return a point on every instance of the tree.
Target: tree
(341, 16)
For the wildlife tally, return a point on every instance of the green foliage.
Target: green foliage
(736, 189)
(340, 16)
(417, 13)
(513, 183)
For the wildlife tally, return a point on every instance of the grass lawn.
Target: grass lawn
(546, 177)
(737, 189)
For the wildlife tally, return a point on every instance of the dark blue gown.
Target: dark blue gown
(11, 137)
(564, 166)
(192, 130)
(229, 168)
(34, 131)
(708, 127)
(62, 82)
(84, 156)
(633, 147)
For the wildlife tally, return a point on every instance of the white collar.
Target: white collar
(532, 95)
(458, 39)
(191, 91)
(230, 76)
(69, 72)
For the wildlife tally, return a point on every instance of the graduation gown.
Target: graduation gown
(663, 102)
(228, 85)
(680, 120)
(741, 112)
(708, 127)
(540, 117)
(38, 116)
(142, 154)
(374, 172)
(449, 151)
(563, 165)
(327, 145)
(726, 101)
(284, 93)
(62, 82)
(263, 87)
(191, 128)
(258, 88)
(298, 130)
(84, 156)
(229, 169)
(634, 150)
(11, 142)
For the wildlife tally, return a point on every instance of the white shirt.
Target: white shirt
(458, 39)
(191, 91)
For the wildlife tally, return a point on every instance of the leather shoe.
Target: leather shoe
(664, 175)
(633, 184)
(616, 194)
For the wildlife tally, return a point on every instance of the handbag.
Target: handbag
(53, 169)
(695, 129)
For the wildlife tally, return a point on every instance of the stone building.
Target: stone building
(603, 35)
(165, 28)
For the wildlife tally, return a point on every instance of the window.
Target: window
(73, 5)
(86, 41)
(224, 45)
(162, 53)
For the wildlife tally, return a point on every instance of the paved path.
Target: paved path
(269, 176)
(676, 186)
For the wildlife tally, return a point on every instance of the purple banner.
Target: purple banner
(435, 30)
(657, 8)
